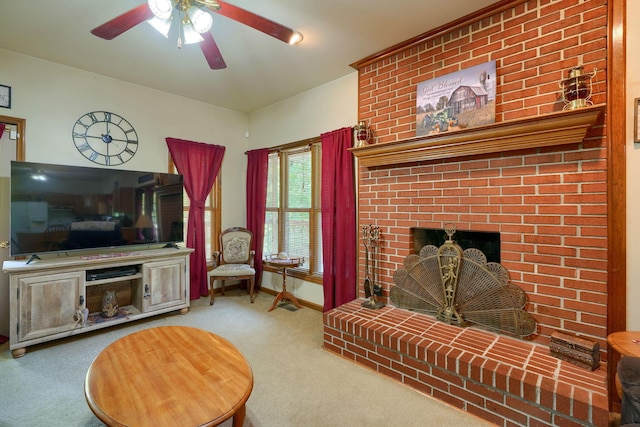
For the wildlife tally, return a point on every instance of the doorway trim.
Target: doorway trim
(20, 125)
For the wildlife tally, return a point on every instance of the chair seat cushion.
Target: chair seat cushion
(232, 270)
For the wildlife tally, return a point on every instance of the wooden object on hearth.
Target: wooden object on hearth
(580, 351)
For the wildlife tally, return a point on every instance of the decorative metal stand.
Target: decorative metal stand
(370, 240)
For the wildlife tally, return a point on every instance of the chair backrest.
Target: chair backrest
(235, 245)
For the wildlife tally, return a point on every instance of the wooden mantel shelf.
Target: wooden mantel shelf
(564, 127)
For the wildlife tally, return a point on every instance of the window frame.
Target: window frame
(310, 271)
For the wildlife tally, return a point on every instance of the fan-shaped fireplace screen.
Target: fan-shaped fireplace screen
(461, 288)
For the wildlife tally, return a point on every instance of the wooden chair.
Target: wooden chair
(234, 261)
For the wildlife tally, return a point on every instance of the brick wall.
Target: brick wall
(548, 204)
(534, 44)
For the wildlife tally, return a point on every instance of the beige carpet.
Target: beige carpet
(297, 383)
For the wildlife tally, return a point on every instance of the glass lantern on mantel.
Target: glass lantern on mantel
(577, 88)
(362, 133)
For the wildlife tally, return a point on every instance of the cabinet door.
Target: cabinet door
(164, 284)
(47, 303)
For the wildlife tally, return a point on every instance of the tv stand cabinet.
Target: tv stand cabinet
(57, 298)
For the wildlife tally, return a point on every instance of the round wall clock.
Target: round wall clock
(105, 138)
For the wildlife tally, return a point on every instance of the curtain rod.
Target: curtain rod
(278, 148)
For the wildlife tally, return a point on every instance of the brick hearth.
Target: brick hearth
(500, 379)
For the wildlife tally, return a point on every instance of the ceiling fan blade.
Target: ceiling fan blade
(124, 22)
(252, 20)
(211, 52)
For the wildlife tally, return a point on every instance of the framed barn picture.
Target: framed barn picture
(459, 100)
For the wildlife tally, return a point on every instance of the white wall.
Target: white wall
(633, 170)
(325, 108)
(51, 97)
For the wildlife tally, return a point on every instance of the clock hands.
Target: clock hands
(106, 138)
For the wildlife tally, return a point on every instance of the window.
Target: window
(293, 221)
(211, 218)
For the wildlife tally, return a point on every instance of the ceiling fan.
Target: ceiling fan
(193, 24)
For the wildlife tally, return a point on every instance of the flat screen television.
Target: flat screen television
(58, 208)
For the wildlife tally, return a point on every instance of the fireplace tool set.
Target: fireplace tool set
(370, 240)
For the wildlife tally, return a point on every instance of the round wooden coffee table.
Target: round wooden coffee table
(169, 376)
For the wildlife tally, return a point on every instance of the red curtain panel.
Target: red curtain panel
(257, 175)
(199, 163)
(338, 219)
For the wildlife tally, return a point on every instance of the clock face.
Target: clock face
(105, 138)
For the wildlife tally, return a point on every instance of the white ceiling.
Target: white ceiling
(260, 69)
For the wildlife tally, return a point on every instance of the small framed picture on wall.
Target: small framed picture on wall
(5, 96)
(636, 111)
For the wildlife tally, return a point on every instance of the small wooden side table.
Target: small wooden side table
(283, 264)
(627, 343)
(169, 376)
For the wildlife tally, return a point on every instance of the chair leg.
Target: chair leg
(212, 291)
(251, 286)
(222, 287)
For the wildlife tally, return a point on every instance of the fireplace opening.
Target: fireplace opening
(486, 241)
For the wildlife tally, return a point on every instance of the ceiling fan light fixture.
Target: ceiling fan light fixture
(190, 21)
(191, 36)
(161, 25)
(296, 38)
(200, 19)
(163, 9)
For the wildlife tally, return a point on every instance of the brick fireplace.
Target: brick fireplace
(548, 204)
(528, 177)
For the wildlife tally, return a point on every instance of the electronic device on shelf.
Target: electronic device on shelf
(61, 209)
(109, 273)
